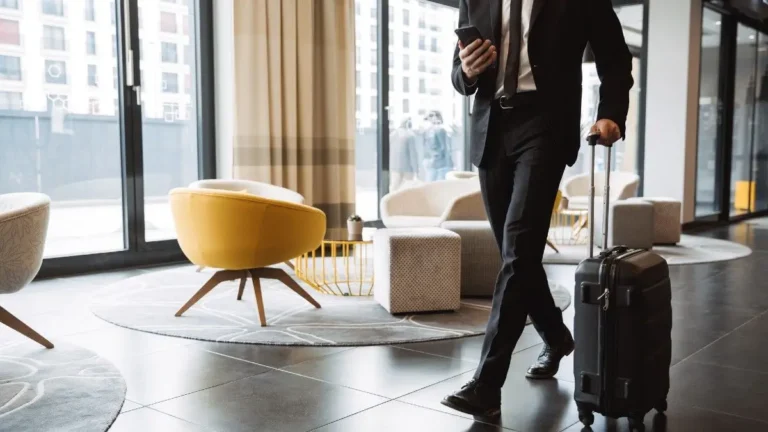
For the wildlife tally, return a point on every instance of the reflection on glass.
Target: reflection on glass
(169, 100)
(709, 116)
(426, 114)
(366, 116)
(59, 122)
(742, 186)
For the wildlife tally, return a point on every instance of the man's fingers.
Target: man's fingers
(477, 52)
(469, 49)
(483, 62)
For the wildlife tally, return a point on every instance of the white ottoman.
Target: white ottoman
(480, 257)
(667, 227)
(630, 224)
(417, 269)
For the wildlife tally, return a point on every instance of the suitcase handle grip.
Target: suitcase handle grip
(592, 139)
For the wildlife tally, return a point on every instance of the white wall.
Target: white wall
(224, 70)
(674, 48)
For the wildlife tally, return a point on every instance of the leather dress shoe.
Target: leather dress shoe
(548, 363)
(476, 398)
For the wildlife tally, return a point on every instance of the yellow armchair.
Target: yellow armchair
(243, 234)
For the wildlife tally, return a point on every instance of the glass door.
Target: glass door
(742, 186)
(709, 160)
(169, 101)
(74, 128)
(60, 119)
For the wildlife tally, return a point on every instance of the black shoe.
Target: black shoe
(548, 362)
(476, 399)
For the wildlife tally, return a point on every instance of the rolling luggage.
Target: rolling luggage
(622, 328)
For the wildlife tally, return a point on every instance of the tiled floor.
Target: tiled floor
(719, 379)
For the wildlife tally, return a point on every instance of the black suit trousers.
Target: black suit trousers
(519, 179)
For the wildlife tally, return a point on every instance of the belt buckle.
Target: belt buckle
(502, 102)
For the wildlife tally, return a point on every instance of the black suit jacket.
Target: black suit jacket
(559, 33)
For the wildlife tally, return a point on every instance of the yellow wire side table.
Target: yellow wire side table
(343, 266)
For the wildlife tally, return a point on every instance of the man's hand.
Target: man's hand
(609, 131)
(476, 58)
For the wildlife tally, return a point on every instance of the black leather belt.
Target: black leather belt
(517, 100)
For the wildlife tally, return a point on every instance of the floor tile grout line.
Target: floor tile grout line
(351, 415)
(154, 404)
(730, 367)
(729, 414)
(454, 415)
(179, 418)
(721, 337)
(274, 369)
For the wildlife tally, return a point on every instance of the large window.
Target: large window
(426, 117)
(426, 133)
(732, 154)
(76, 130)
(366, 115)
(425, 127)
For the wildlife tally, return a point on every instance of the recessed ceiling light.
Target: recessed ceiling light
(751, 36)
(718, 22)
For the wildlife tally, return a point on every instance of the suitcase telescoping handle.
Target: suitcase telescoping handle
(592, 140)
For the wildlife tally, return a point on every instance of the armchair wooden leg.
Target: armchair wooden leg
(292, 284)
(285, 278)
(552, 245)
(215, 280)
(290, 265)
(200, 268)
(242, 288)
(259, 299)
(11, 321)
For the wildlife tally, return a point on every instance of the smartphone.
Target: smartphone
(468, 34)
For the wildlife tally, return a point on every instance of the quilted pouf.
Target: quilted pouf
(417, 270)
(630, 224)
(480, 258)
(667, 227)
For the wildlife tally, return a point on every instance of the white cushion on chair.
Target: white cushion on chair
(265, 190)
(417, 269)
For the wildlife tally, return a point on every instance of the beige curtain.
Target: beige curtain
(295, 99)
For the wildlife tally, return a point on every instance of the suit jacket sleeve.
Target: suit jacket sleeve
(613, 61)
(457, 75)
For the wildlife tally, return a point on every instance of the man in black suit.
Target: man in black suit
(526, 78)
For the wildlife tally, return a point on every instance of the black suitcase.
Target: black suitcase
(622, 328)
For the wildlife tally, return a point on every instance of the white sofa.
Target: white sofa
(265, 190)
(576, 189)
(430, 204)
(23, 229)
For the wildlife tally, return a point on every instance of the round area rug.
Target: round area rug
(66, 388)
(149, 301)
(690, 250)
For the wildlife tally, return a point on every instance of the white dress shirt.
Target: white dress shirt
(525, 78)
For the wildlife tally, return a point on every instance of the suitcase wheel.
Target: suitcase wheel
(636, 424)
(586, 418)
(661, 406)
